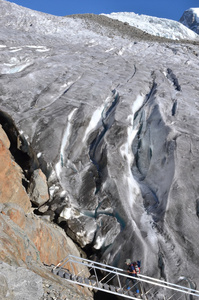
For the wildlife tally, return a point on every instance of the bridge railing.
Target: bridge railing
(113, 280)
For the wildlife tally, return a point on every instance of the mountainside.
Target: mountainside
(190, 19)
(109, 113)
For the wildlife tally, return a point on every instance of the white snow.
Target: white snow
(195, 11)
(38, 48)
(8, 69)
(87, 235)
(52, 189)
(121, 51)
(145, 222)
(15, 49)
(43, 50)
(108, 50)
(63, 194)
(39, 155)
(99, 242)
(126, 151)
(96, 117)
(156, 26)
(65, 140)
(15, 65)
(67, 213)
(92, 43)
(67, 132)
(138, 103)
(33, 46)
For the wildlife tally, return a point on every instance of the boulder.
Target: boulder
(80, 228)
(38, 188)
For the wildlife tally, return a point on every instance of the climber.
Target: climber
(133, 270)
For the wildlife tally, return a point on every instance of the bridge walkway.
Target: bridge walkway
(106, 278)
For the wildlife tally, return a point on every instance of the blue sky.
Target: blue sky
(171, 9)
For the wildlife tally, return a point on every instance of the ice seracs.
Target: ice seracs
(155, 26)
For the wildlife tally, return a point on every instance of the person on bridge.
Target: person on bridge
(133, 270)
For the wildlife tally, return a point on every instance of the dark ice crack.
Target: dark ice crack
(98, 150)
(172, 77)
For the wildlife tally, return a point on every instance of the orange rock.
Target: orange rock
(11, 188)
(48, 240)
(15, 246)
(4, 138)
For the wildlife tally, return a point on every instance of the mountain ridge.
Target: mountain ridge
(53, 21)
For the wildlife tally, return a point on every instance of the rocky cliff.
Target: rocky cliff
(110, 116)
(190, 19)
(28, 243)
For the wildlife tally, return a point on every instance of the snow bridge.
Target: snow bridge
(113, 280)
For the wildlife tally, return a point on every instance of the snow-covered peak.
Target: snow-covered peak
(195, 10)
(156, 26)
(190, 19)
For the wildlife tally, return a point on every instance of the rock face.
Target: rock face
(190, 19)
(4, 138)
(19, 283)
(11, 188)
(112, 114)
(28, 235)
(25, 242)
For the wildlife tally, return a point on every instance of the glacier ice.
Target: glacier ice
(156, 26)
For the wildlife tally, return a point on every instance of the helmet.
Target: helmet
(128, 261)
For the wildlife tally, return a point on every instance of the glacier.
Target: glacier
(156, 26)
(110, 114)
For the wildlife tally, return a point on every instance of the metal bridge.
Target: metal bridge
(112, 280)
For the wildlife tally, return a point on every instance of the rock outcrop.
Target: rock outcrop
(36, 283)
(19, 283)
(38, 188)
(32, 234)
(11, 175)
(27, 240)
(190, 19)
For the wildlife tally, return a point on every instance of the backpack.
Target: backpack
(137, 267)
